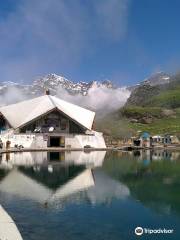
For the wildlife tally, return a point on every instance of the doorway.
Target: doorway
(57, 141)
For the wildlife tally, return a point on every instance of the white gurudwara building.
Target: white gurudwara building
(48, 121)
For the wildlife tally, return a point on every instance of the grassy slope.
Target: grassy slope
(161, 124)
(119, 125)
(139, 112)
(164, 125)
(167, 99)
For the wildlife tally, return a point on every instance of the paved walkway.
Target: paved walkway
(51, 149)
(8, 229)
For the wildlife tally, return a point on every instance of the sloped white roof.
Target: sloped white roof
(21, 113)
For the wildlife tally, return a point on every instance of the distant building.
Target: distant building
(165, 139)
(157, 140)
(48, 121)
(144, 140)
(170, 139)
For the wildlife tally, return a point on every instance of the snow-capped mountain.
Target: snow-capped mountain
(97, 92)
(53, 82)
(158, 78)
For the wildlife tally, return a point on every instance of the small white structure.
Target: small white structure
(48, 121)
(157, 139)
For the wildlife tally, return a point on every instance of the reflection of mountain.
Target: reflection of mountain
(155, 184)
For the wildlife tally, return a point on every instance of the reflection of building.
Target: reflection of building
(155, 155)
(61, 184)
(160, 154)
(28, 183)
(48, 121)
(90, 159)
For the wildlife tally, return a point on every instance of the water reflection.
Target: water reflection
(75, 177)
(153, 177)
(157, 154)
(112, 192)
(92, 158)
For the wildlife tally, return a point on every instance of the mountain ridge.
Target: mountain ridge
(53, 82)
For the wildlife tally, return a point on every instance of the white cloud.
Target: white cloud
(11, 96)
(98, 99)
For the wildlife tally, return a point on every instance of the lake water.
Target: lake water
(92, 195)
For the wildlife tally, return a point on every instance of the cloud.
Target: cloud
(12, 95)
(100, 99)
(38, 37)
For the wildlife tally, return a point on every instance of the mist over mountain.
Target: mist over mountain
(101, 96)
(95, 95)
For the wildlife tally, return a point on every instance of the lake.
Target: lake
(92, 195)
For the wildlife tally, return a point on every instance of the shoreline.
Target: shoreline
(58, 149)
(113, 148)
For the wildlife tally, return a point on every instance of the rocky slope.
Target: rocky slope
(147, 89)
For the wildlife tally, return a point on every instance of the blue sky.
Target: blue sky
(83, 40)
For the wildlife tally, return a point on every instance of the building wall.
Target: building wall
(96, 140)
(41, 140)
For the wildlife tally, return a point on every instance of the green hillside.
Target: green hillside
(155, 109)
(167, 99)
(159, 126)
